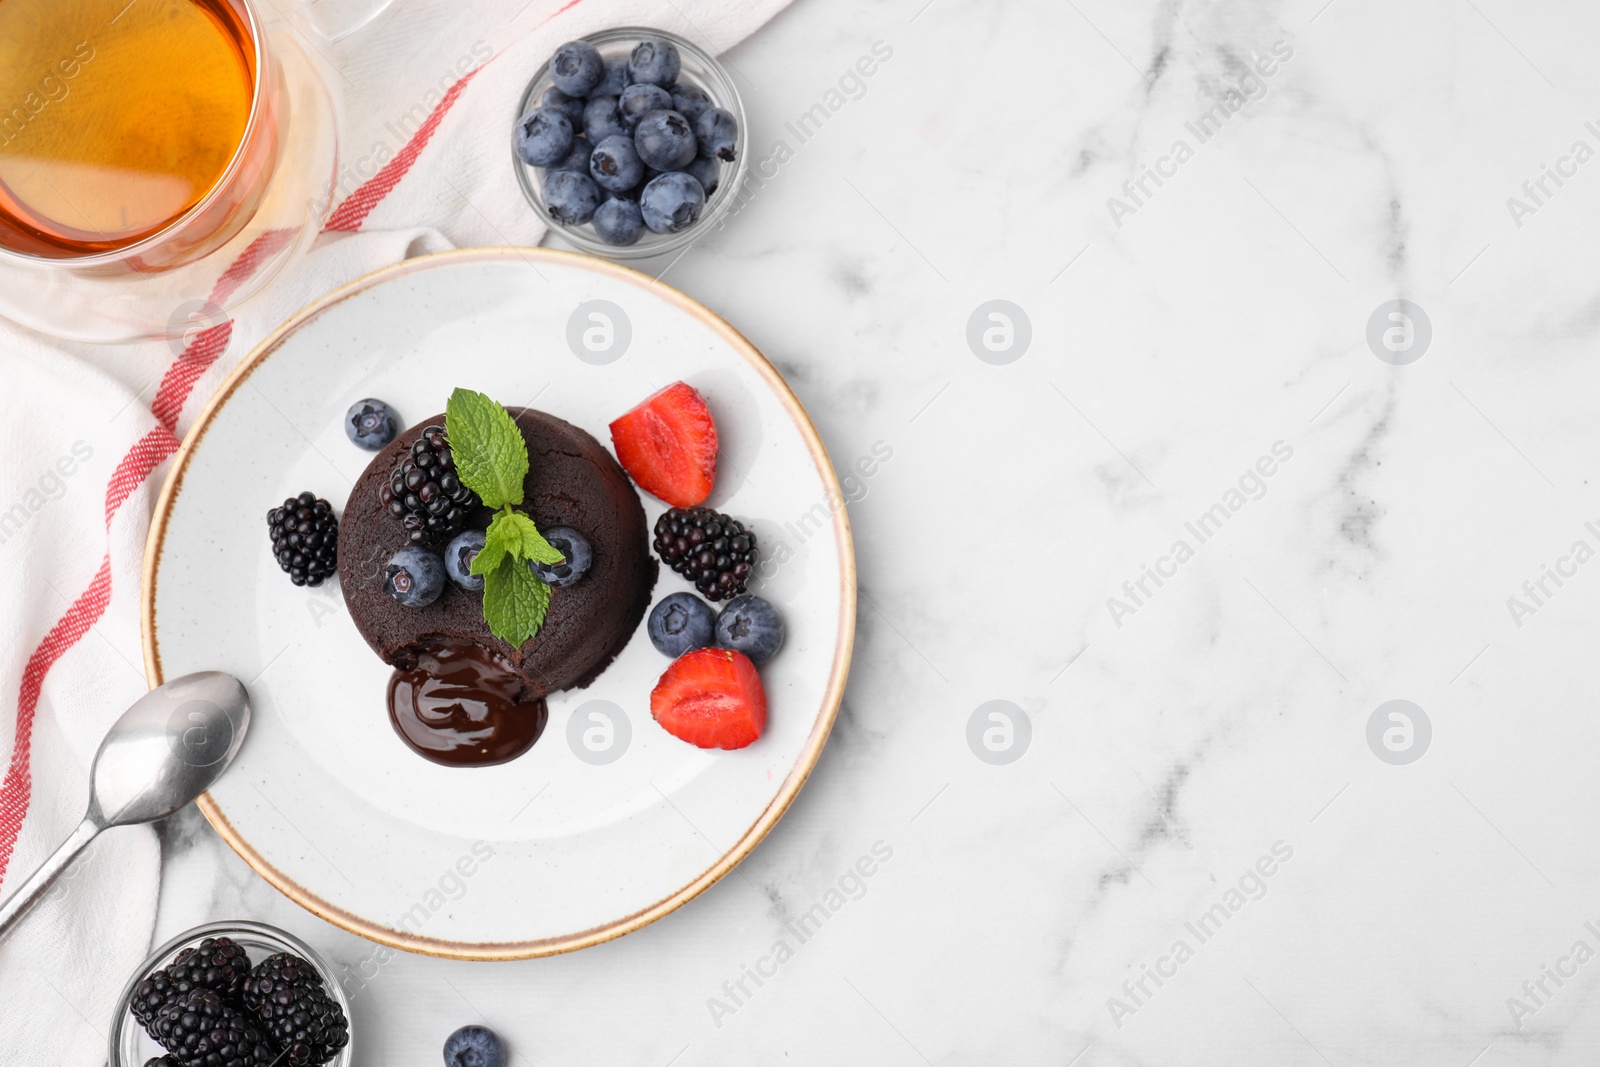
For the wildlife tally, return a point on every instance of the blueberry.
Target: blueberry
(619, 222)
(371, 424)
(637, 101)
(615, 165)
(570, 106)
(750, 625)
(571, 544)
(650, 175)
(689, 100)
(414, 577)
(578, 159)
(665, 140)
(707, 171)
(570, 197)
(615, 80)
(717, 131)
(577, 68)
(672, 202)
(474, 1046)
(544, 137)
(654, 63)
(601, 119)
(458, 557)
(682, 623)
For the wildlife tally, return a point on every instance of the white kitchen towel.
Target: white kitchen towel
(431, 90)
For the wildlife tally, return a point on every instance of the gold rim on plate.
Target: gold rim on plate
(844, 639)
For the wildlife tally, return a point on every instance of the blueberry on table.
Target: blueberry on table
(654, 63)
(414, 577)
(690, 101)
(577, 159)
(570, 197)
(615, 165)
(615, 79)
(682, 623)
(717, 131)
(601, 119)
(706, 170)
(570, 106)
(370, 424)
(579, 558)
(619, 222)
(458, 557)
(474, 1046)
(637, 101)
(544, 137)
(750, 625)
(577, 68)
(672, 203)
(665, 140)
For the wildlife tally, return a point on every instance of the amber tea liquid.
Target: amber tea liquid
(116, 118)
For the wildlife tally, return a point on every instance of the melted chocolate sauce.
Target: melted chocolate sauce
(460, 706)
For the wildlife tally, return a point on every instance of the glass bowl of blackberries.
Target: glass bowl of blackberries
(233, 994)
(631, 143)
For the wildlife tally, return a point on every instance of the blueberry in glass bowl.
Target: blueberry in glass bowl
(591, 209)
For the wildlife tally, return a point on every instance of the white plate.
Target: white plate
(550, 852)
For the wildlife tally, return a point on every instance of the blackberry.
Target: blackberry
(199, 1030)
(169, 1060)
(150, 996)
(217, 963)
(716, 553)
(426, 494)
(286, 998)
(305, 538)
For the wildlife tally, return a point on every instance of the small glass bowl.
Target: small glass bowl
(699, 69)
(132, 1047)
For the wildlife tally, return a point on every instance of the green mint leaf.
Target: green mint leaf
(524, 539)
(495, 548)
(513, 533)
(491, 456)
(514, 601)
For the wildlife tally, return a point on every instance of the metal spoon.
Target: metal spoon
(166, 750)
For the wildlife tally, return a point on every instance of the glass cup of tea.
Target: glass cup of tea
(160, 160)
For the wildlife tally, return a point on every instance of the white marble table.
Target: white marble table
(1198, 858)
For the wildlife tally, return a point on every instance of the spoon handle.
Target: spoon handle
(28, 894)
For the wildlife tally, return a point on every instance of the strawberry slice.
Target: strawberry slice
(669, 445)
(711, 698)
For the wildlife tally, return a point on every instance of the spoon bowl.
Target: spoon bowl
(168, 748)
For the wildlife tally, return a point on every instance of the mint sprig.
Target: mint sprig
(519, 534)
(491, 456)
(515, 601)
(491, 459)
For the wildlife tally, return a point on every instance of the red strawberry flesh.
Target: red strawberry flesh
(668, 444)
(711, 698)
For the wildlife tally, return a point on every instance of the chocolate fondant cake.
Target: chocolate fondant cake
(572, 481)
